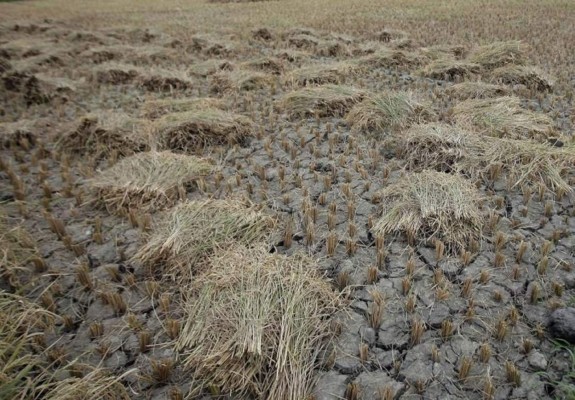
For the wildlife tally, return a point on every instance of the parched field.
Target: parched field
(287, 200)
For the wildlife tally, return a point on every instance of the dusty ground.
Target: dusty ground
(483, 321)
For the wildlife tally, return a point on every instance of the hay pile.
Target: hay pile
(443, 51)
(156, 79)
(195, 230)
(271, 65)
(435, 146)
(210, 67)
(154, 109)
(502, 117)
(17, 251)
(387, 58)
(449, 69)
(257, 323)
(531, 77)
(20, 366)
(432, 205)
(320, 74)
(448, 148)
(193, 130)
(303, 41)
(499, 54)
(114, 73)
(475, 90)
(322, 101)
(388, 112)
(17, 134)
(148, 181)
(24, 370)
(105, 134)
(240, 80)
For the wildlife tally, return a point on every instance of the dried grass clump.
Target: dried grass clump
(210, 67)
(147, 181)
(240, 80)
(213, 46)
(322, 101)
(105, 134)
(448, 148)
(332, 48)
(522, 162)
(531, 77)
(17, 250)
(271, 65)
(449, 69)
(388, 112)
(432, 205)
(499, 54)
(257, 323)
(476, 90)
(320, 74)
(164, 80)
(17, 134)
(195, 230)
(97, 384)
(20, 366)
(502, 117)
(435, 146)
(443, 51)
(154, 109)
(387, 58)
(114, 73)
(303, 41)
(387, 35)
(193, 130)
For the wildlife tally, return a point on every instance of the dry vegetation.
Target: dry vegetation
(286, 199)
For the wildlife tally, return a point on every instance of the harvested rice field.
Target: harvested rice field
(287, 200)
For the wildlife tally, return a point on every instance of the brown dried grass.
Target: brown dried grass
(449, 69)
(327, 100)
(388, 112)
(239, 80)
(194, 130)
(432, 205)
(498, 54)
(476, 90)
(532, 77)
(154, 109)
(502, 117)
(448, 148)
(320, 74)
(147, 181)
(256, 324)
(189, 234)
(105, 134)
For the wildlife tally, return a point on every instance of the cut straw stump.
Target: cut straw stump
(502, 117)
(194, 230)
(147, 181)
(432, 205)
(257, 324)
(192, 131)
(321, 101)
(388, 112)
